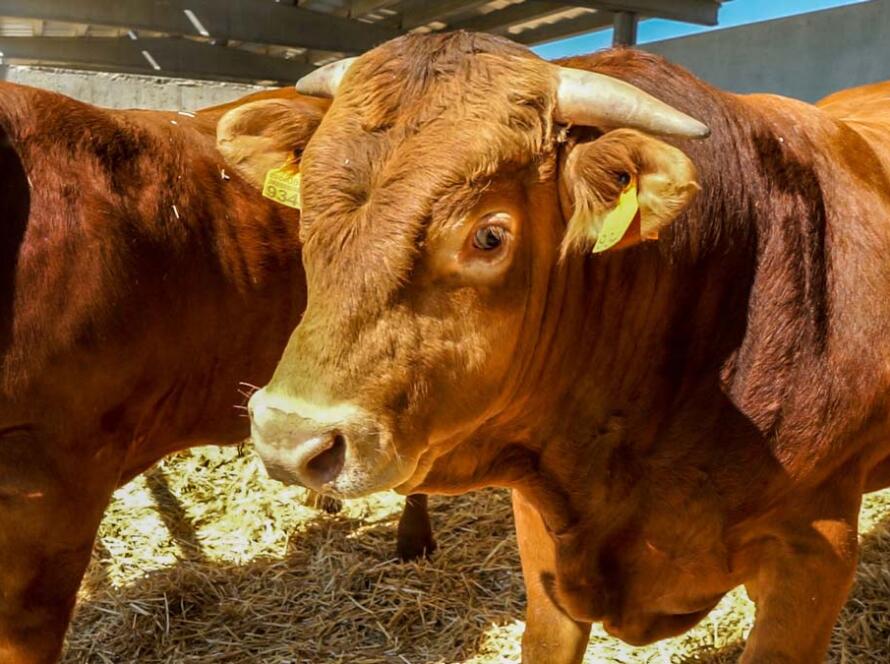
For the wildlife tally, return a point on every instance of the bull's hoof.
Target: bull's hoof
(414, 546)
(322, 502)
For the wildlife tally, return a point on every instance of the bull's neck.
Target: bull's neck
(651, 338)
(645, 330)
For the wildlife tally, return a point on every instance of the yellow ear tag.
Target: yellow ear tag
(282, 185)
(618, 219)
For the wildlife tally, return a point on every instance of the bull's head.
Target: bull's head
(447, 209)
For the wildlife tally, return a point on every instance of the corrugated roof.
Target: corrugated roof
(36, 31)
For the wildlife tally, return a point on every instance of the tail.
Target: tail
(15, 204)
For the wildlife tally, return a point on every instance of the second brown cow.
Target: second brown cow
(142, 281)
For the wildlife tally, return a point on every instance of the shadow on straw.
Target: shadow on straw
(338, 594)
(174, 516)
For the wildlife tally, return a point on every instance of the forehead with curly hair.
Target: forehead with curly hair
(422, 124)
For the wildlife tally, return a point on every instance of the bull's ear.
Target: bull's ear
(621, 189)
(261, 135)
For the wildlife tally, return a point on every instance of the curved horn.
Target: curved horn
(324, 81)
(588, 98)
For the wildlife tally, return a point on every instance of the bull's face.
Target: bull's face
(440, 199)
(372, 378)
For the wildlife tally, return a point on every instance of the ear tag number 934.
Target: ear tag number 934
(282, 185)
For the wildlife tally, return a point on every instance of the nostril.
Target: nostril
(325, 467)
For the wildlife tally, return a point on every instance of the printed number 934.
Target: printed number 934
(282, 195)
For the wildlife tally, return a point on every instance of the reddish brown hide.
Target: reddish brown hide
(143, 284)
(676, 418)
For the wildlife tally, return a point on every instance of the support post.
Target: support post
(625, 24)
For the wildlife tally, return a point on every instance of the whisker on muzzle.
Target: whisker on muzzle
(250, 391)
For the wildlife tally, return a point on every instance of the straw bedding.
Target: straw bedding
(203, 559)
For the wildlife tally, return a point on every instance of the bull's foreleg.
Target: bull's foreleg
(415, 534)
(48, 520)
(551, 636)
(804, 576)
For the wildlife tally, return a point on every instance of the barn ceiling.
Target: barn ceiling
(265, 40)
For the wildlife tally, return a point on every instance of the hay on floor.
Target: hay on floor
(203, 559)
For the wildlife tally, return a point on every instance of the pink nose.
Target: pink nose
(296, 450)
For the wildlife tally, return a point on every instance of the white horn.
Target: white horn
(591, 99)
(324, 81)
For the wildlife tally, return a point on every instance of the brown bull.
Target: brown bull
(142, 280)
(676, 418)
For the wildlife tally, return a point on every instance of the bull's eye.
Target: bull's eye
(488, 238)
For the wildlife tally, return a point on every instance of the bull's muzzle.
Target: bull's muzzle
(327, 449)
(296, 449)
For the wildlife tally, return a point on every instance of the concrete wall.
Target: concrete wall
(128, 90)
(806, 56)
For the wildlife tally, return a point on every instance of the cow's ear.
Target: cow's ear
(623, 188)
(261, 135)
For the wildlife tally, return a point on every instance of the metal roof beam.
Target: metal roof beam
(703, 12)
(156, 56)
(241, 20)
(567, 28)
(362, 7)
(501, 19)
(416, 13)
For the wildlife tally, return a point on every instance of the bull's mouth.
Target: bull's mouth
(415, 479)
(419, 469)
(424, 476)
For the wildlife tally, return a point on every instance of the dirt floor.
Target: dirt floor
(203, 559)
